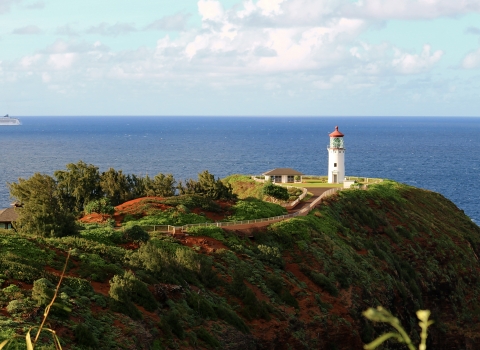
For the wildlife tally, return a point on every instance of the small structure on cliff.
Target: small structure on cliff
(283, 175)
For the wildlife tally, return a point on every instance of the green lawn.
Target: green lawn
(314, 184)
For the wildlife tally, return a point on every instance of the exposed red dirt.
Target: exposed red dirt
(146, 205)
(207, 245)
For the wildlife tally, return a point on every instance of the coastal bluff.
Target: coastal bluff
(301, 283)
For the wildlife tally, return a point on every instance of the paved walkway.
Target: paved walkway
(316, 191)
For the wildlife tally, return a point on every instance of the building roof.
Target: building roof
(283, 171)
(8, 215)
(336, 133)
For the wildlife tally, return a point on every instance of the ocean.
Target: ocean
(438, 154)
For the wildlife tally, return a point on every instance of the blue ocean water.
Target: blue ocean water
(439, 154)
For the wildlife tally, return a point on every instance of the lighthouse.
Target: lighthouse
(336, 158)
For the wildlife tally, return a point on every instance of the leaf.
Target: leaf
(3, 343)
(382, 339)
(28, 340)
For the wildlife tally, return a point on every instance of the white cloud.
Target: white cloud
(411, 9)
(39, 5)
(210, 10)
(5, 5)
(177, 22)
(472, 60)
(27, 30)
(61, 61)
(270, 7)
(67, 30)
(260, 44)
(114, 30)
(406, 63)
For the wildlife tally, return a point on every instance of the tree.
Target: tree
(207, 186)
(164, 185)
(43, 210)
(115, 186)
(136, 186)
(78, 185)
(100, 206)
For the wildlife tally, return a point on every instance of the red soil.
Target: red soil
(207, 245)
(142, 206)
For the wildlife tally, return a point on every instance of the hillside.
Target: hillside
(298, 284)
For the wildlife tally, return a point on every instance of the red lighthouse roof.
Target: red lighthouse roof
(336, 133)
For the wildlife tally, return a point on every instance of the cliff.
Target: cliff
(298, 284)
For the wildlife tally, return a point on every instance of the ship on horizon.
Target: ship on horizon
(7, 120)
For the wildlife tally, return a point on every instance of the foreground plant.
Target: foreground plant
(28, 338)
(382, 315)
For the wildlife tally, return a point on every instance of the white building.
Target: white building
(336, 158)
(283, 175)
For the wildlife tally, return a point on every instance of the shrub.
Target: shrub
(100, 206)
(136, 233)
(16, 306)
(252, 208)
(320, 280)
(127, 289)
(204, 335)
(42, 291)
(84, 336)
(232, 318)
(209, 231)
(102, 234)
(271, 255)
(171, 322)
(275, 191)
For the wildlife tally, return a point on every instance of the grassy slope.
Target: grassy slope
(301, 283)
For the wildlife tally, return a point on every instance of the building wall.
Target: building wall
(284, 178)
(336, 155)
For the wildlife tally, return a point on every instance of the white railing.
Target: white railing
(304, 211)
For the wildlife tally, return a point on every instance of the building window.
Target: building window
(278, 178)
(290, 178)
(334, 165)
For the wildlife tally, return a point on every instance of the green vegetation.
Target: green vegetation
(44, 212)
(207, 186)
(381, 315)
(277, 192)
(251, 208)
(244, 186)
(308, 278)
(101, 206)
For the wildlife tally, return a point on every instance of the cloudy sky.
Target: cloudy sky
(229, 57)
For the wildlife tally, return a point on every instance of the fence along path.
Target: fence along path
(252, 223)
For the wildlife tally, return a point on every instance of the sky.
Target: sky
(240, 58)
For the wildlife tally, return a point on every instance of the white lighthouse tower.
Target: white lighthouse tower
(336, 158)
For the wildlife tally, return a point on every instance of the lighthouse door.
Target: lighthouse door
(335, 179)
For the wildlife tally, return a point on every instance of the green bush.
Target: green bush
(136, 234)
(127, 289)
(209, 339)
(171, 322)
(275, 191)
(100, 206)
(102, 234)
(16, 306)
(84, 336)
(320, 280)
(229, 316)
(208, 231)
(252, 208)
(42, 291)
(271, 255)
